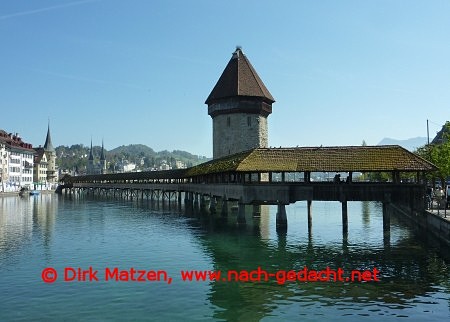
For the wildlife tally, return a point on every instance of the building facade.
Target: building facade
(40, 167)
(239, 105)
(16, 162)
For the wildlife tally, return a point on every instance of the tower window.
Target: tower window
(228, 121)
(249, 121)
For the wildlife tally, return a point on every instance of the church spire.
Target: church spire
(91, 155)
(48, 146)
(102, 160)
(102, 155)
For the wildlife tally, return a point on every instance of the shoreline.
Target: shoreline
(16, 193)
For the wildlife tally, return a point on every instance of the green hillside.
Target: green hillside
(75, 157)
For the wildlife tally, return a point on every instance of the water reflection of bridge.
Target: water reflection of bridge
(404, 279)
(274, 176)
(409, 270)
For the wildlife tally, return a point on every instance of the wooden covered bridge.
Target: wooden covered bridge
(278, 176)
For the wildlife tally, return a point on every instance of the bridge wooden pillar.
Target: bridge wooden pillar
(307, 176)
(241, 213)
(281, 222)
(179, 199)
(195, 200)
(386, 224)
(256, 211)
(212, 204)
(344, 217)
(343, 199)
(202, 204)
(387, 220)
(386, 212)
(309, 206)
(188, 200)
(224, 212)
(162, 194)
(386, 216)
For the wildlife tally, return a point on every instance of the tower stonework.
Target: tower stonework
(239, 105)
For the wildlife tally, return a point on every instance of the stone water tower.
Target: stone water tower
(239, 105)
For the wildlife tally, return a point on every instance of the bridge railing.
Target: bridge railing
(281, 192)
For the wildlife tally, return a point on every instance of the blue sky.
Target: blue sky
(139, 71)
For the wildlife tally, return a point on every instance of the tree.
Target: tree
(439, 155)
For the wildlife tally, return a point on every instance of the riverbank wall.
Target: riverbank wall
(427, 222)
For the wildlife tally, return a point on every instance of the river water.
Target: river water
(113, 237)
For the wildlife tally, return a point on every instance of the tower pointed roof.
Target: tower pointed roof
(102, 155)
(91, 155)
(239, 79)
(48, 146)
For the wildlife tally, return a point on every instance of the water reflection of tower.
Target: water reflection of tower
(264, 225)
(365, 212)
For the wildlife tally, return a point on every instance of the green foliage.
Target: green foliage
(133, 149)
(378, 176)
(73, 157)
(439, 155)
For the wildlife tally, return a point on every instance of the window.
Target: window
(228, 121)
(249, 121)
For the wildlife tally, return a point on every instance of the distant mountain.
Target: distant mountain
(409, 144)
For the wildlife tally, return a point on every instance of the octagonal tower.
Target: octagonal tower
(239, 105)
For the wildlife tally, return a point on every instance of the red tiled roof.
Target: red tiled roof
(13, 141)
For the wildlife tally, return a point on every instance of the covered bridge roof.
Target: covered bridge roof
(310, 159)
(317, 159)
